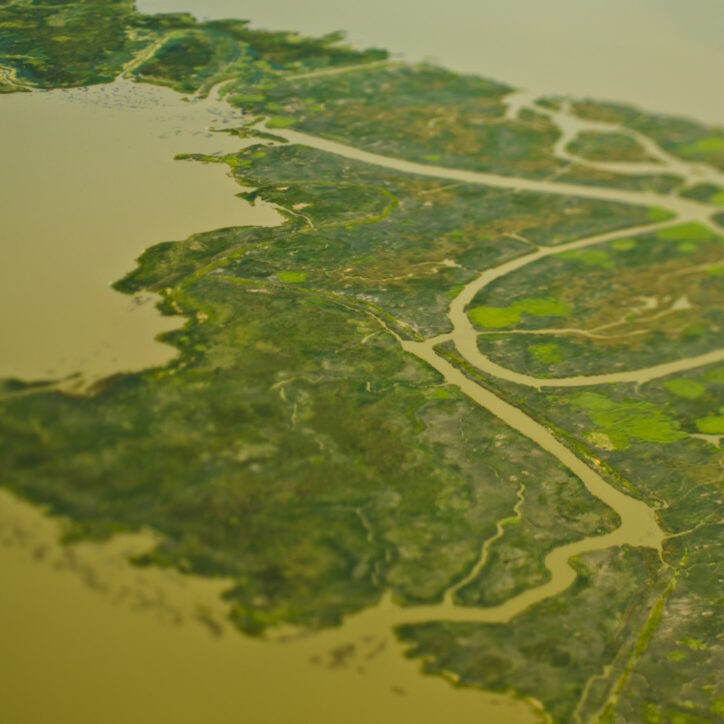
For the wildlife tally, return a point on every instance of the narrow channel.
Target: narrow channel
(275, 680)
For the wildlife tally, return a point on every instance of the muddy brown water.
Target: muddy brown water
(89, 181)
(87, 638)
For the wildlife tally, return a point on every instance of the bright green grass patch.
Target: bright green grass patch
(715, 270)
(710, 144)
(249, 98)
(494, 317)
(280, 122)
(290, 277)
(688, 389)
(694, 330)
(685, 232)
(694, 644)
(622, 421)
(717, 199)
(589, 257)
(431, 157)
(547, 354)
(623, 244)
(510, 521)
(656, 213)
(497, 317)
(686, 247)
(454, 291)
(544, 307)
(711, 425)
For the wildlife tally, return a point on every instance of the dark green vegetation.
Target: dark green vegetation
(648, 441)
(607, 147)
(708, 193)
(403, 243)
(57, 43)
(422, 113)
(312, 467)
(515, 562)
(661, 183)
(290, 410)
(626, 304)
(319, 468)
(293, 447)
(425, 114)
(552, 650)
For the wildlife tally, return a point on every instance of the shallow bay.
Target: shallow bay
(89, 182)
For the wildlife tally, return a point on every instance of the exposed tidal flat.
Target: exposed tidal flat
(90, 181)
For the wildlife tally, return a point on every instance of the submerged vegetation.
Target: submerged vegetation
(294, 447)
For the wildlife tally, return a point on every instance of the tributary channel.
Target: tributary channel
(82, 620)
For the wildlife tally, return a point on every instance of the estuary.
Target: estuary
(409, 407)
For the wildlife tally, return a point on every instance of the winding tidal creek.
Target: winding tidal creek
(95, 185)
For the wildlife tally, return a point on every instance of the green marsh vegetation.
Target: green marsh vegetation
(297, 467)
(646, 439)
(706, 192)
(54, 44)
(400, 242)
(607, 147)
(682, 137)
(286, 385)
(629, 303)
(551, 651)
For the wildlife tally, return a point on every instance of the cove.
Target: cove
(89, 182)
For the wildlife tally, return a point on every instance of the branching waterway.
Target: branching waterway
(685, 208)
(465, 336)
(279, 681)
(113, 643)
(639, 526)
